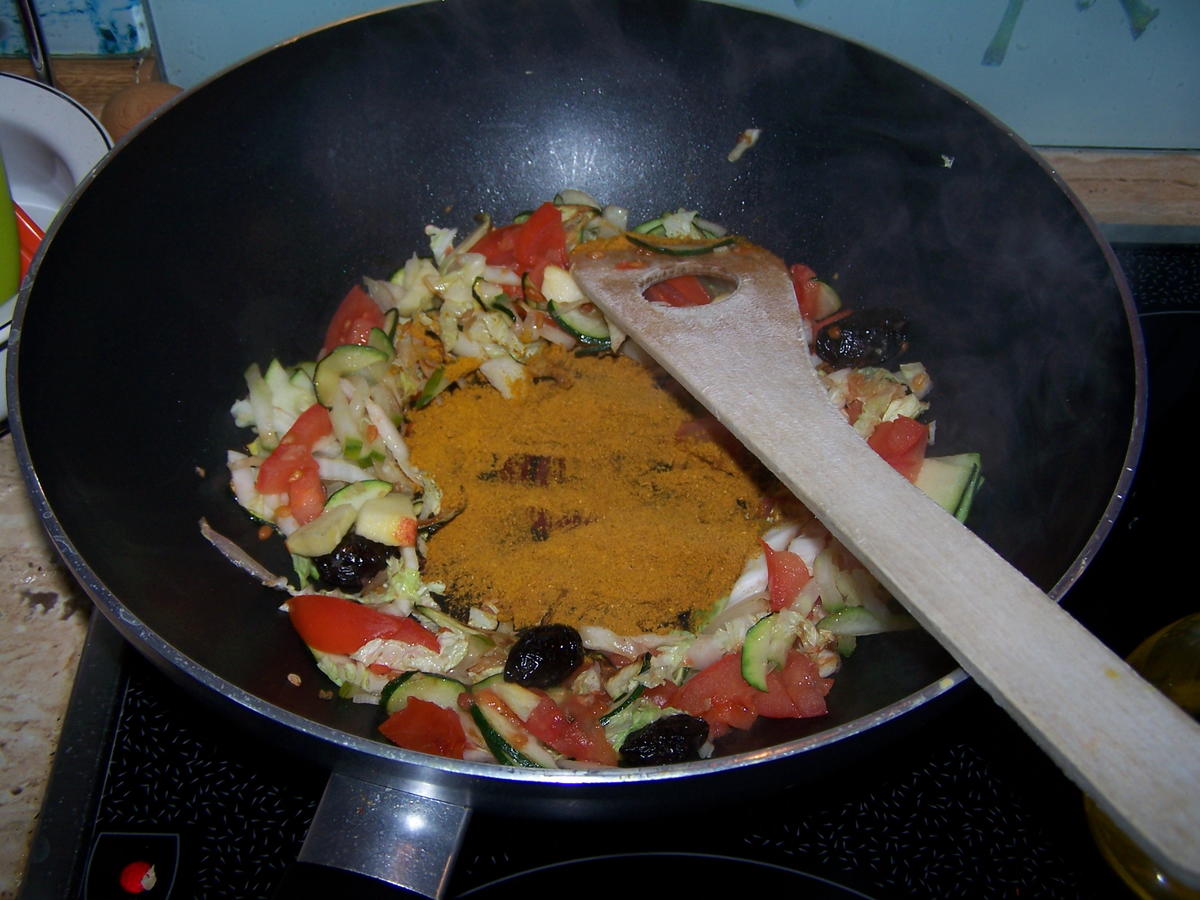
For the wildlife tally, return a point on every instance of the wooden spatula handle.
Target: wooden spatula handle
(746, 359)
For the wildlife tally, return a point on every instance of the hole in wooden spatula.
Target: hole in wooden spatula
(690, 290)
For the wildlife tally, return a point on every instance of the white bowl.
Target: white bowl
(49, 143)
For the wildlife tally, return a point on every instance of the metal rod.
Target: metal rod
(35, 42)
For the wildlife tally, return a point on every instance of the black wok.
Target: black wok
(223, 231)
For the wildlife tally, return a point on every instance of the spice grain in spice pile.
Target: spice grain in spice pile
(592, 499)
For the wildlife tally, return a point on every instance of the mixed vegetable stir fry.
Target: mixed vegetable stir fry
(329, 469)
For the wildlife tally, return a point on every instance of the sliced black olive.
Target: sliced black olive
(865, 337)
(353, 563)
(671, 739)
(544, 655)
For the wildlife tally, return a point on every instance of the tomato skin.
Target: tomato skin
(573, 731)
(306, 494)
(808, 289)
(310, 426)
(719, 695)
(547, 722)
(292, 469)
(683, 290)
(498, 246)
(592, 744)
(337, 625)
(282, 467)
(426, 728)
(796, 691)
(413, 632)
(353, 320)
(787, 574)
(542, 241)
(527, 247)
(901, 442)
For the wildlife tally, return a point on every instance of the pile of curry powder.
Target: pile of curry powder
(590, 500)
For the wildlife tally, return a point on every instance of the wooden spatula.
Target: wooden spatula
(746, 359)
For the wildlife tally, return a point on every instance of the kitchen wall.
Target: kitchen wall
(1061, 73)
(79, 27)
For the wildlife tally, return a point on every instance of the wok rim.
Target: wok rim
(176, 663)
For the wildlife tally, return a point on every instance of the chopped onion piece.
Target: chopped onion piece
(745, 141)
(392, 439)
(262, 408)
(501, 275)
(595, 637)
(576, 197)
(240, 558)
(341, 470)
(504, 374)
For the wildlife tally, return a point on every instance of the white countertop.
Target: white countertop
(43, 621)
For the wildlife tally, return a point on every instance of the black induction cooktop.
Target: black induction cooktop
(966, 807)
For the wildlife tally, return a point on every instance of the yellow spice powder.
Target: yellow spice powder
(581, 504)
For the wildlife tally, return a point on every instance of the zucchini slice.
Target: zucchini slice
(389, 520)
(436, 689)
(510, 744)
(585, 323)
(434, 385)
(678, 246)
(324, 533)
(344, 360)
(766, 646)
(358, 492)
(952, 481)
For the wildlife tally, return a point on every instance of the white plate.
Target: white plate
(50, 142)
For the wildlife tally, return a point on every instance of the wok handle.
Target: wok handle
(387, 834)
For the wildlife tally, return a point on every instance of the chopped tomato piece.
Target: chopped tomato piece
(808, 289)
(292, 469)
(413, 632)
(426, 728)
(683, 290)
(830, 319)
(592, 743)
(573, 731)
(662, 695)
(774, 703)
(498, 246)
(311, 425)
(527, 247)
(901, 442)
(796, 691)
(285, 464)
(787, 573)
(336, 625)
(719, 695)
(547, 722)
(542, 241)
(306, 494)
(353, 320)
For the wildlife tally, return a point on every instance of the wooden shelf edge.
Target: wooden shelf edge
(89, 80)
(1132, 187)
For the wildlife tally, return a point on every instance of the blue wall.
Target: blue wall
(79, 27)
